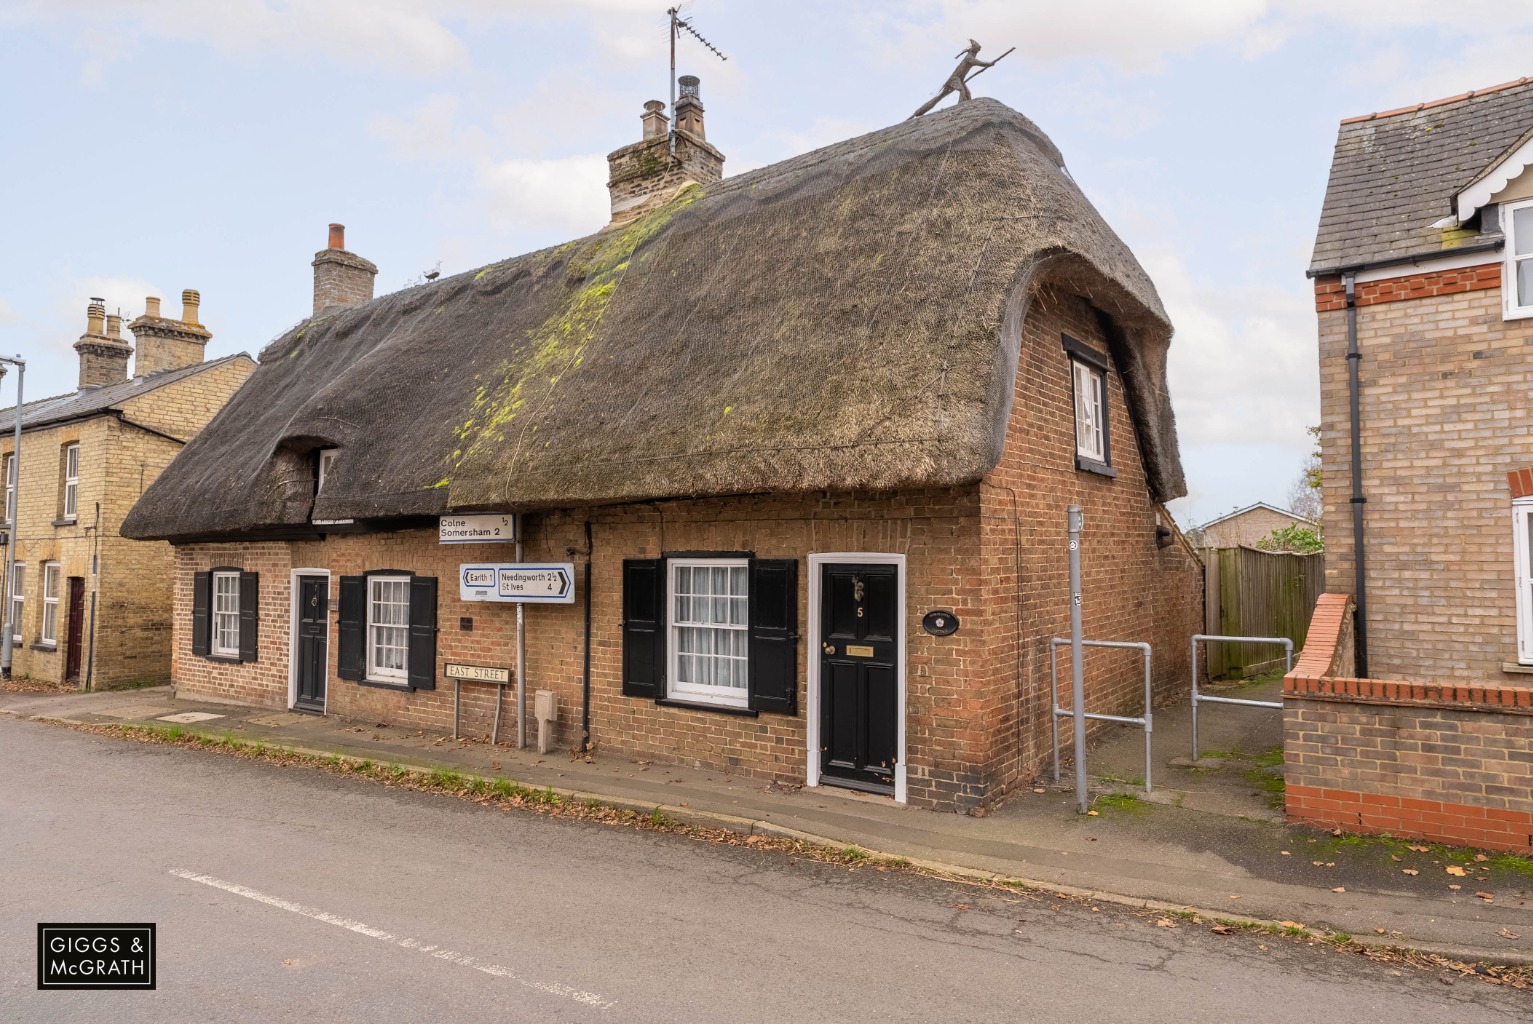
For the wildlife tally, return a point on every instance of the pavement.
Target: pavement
(1206, 838)
(286, 894)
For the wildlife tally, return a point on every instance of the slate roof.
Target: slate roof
(90, 401)
(847, 319)
(1251, 508)
(1396, 173)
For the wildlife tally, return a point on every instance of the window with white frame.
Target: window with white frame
(1522, 546)
(388, 629)
(10, 488)
(226, 615)
(50, 630)
(71, 479)
(1517, 220)
(326, 457)
(18, 598)
(709, 649)
(1090, 438)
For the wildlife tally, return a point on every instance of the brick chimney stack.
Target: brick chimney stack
(341, 278)
(643, 175)
(165, 343)
(103, 352)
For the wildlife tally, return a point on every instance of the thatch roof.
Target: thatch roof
(845, 319)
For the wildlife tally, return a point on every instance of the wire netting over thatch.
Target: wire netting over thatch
(845, 319)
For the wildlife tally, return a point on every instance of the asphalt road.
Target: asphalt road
(292, 894)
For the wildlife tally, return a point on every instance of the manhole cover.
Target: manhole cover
(188, 717)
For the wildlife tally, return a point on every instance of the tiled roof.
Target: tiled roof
(89, 401)
(1394, 174)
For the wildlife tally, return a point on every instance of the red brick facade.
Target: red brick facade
(1441, 761)
(976, 714)
(1331, 294)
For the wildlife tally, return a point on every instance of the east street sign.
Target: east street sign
(552, 583)
(489, 529)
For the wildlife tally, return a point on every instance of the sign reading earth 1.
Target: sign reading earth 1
(490, 529)
(527, 584)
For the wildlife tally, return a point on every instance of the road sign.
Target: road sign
(488, 529)
(552, 583)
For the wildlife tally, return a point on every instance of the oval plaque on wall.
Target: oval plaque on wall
(940, 623)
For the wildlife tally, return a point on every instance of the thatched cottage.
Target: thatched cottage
(805, 435)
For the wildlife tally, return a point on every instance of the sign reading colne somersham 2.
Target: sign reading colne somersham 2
(488, 529)
(529, 584)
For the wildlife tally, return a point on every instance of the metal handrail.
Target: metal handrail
(1198, 698)
(1146, 720)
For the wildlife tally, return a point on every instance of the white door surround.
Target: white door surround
(812, 725)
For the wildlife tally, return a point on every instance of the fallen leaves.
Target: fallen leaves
(1340, 888)
(1455, 887)
(1419, 849)
(1291, 924)
(1455, 871)
(1223, 929)
(1507, 933)
(1480, 858)
(1486, 896)
(1166, 922)
(1409, 871)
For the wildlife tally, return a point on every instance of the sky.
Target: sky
(147, 146)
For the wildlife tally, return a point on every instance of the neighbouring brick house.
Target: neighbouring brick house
(793, 427)
(1423, 271)
(90, 607)
(1245, 526)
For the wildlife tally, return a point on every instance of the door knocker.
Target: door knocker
(858, 589)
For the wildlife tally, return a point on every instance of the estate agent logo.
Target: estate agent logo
(107, 956)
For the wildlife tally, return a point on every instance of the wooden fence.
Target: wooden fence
(1248, 592)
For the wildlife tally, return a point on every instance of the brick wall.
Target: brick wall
(1445, 418)
(1434, 760)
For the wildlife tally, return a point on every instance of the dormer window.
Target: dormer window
(326, 457)
(324, 460)
(1517, 283)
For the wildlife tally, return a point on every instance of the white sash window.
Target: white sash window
(1522, 546)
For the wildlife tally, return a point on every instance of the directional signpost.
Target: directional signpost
(552, 583)
(490, 529)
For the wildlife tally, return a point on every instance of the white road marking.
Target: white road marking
(549, 987)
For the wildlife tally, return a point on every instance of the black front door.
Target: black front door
(859, 675)
(313, 641)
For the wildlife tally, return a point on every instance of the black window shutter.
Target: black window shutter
(643, 627)
(202, 600)
(774, 635)
(423, 632)
(353, 622)
(250, 614)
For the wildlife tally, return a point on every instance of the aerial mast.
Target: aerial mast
(677, 24)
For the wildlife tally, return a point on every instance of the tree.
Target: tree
(1304, 495)
(1300, 539)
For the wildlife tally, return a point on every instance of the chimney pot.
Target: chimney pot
(689, 107)
(191, 298)
(655, 121)
(341, 278)
(114, 325)
(95, 317)
(689, 84)
(152, 306)
(337, 236)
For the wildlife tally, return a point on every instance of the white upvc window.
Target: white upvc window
(708, 652)
(18, 598)
(50, 630)
(326, 457)
(71, 479)
(1517, 277)
(1522, 546)
(388, 629)
(225, 640)
(1090, 438)
(10, 488)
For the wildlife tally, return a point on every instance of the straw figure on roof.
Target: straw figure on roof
(958, 81)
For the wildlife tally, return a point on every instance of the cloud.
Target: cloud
(1243, 366)
(567, 194)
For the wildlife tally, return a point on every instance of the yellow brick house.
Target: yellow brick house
(90, 607)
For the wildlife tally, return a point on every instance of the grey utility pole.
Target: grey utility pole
(1077, 673)
(10, 533)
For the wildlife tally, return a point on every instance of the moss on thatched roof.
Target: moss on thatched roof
(845, 319)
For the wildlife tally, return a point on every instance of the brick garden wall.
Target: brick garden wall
(1443, 761)
(1446, 416)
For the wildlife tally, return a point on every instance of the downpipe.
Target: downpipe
(1358, 500)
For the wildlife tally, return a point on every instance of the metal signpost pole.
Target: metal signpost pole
(10, 543)
(521, 654)
(1077, 675)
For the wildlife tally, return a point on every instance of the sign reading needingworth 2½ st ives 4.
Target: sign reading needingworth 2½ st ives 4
(528, 584)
